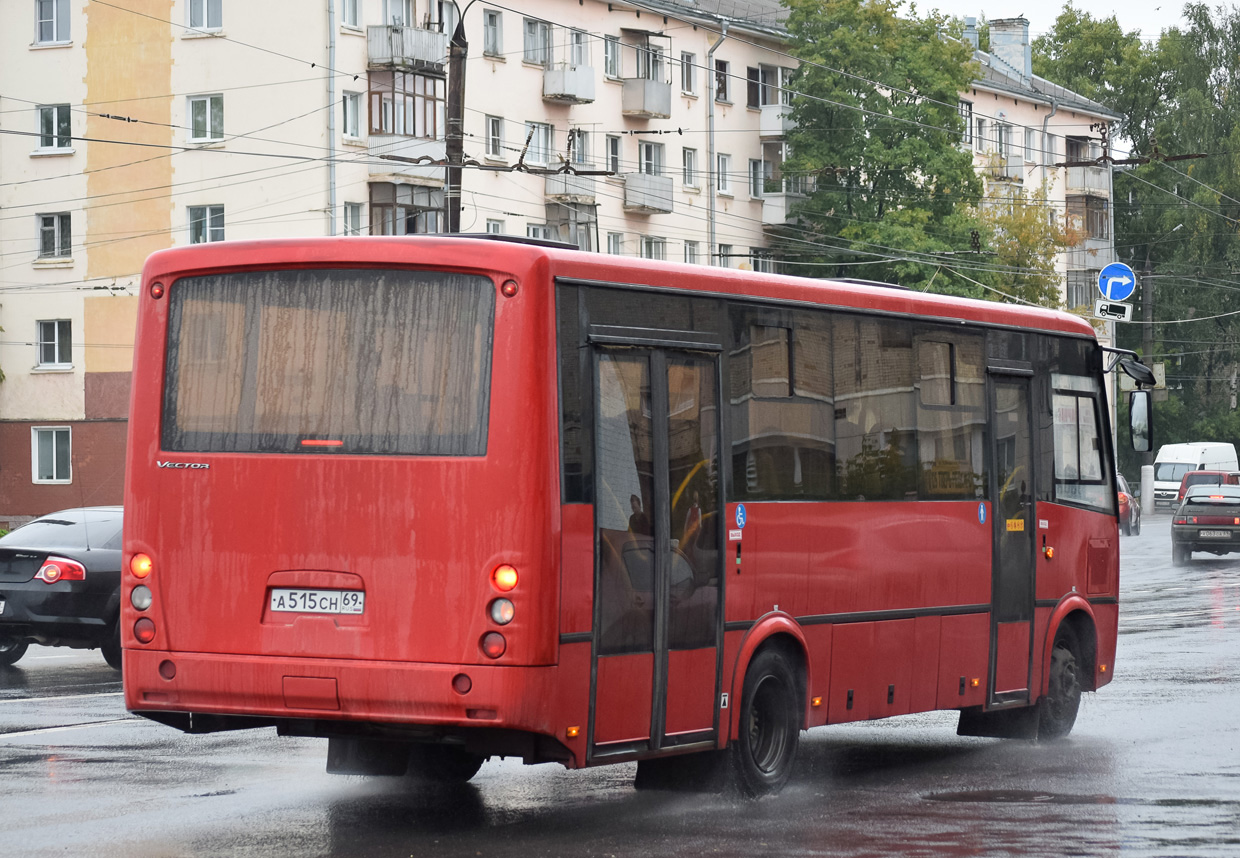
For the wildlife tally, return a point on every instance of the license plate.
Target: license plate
(318, 601)
(1214, 534)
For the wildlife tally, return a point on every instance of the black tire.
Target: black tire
(11, 651)
(111, 648)
(1125, 529)
(1136, 526)
(1180, 555)
(442, 764)
(1057, 710)
(770, 725)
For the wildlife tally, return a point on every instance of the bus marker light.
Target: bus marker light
(505, 577)
(140, 565)
(572, 732)
(1102, 668)
(144, 630)
(816, 702)
(975, 682)
(157, 290)
(461, 683)
(1049, 552)
(509, 289)
(167, 670)
(493, 644)
(140, 597)
(502, 612)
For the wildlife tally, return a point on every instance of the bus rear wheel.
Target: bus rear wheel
(770, 717)
(1057, 710)
(443, 764)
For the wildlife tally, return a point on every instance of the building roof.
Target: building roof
(763, 16)
(996, 75)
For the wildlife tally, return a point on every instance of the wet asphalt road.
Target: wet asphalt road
(1152, 769)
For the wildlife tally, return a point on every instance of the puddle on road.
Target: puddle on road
(1019, 796)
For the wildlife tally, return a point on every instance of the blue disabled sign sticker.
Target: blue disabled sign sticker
(740, 515)
(1116, 282)
(981, 513)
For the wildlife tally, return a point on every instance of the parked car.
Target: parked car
(1208, 520)
(1129, 509)
(60, 579)
(1207, 478)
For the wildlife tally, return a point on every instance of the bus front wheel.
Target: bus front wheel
(770, 717)
(443, 764)
(1057, 710)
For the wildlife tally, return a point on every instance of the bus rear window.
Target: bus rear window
(354, 361)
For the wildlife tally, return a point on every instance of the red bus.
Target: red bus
(442, 498)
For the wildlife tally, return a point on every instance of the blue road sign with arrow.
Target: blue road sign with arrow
(1116, 282)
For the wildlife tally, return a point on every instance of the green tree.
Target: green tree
(878, 133)
(1025, 242)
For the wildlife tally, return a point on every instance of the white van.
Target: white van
(1175, 460)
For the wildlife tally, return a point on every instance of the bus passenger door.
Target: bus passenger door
(657, 619)
(1015, 528)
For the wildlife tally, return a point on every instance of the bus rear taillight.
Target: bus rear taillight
(140, 565)
(493, 644)
(504, 577)
(144, 630)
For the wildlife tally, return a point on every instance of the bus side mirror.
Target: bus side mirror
(1140, 421)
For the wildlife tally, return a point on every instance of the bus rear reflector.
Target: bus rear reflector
(461, 683)
(321, 442)
(502, 612)
(144, 630)
(493, 644)
(140, 565)
(505, 577)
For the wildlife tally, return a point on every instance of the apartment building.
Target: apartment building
(650, 128)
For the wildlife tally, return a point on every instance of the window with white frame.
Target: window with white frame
(51, 21)
(723, 80)
(1031, 145)
(689, 168)
(615, 243)
(761, 260)
(650, 62)
(55, 235)
(979, 139)
(54, 127)
(650, 158)
(771, 90)
(537, 47)
(50, 454)
(494, 136)
(206, 14)
(611, 56)
(538, 230)
(398, 13)
(757, 177)
(349, 13)
(578, 49)
(353, 219)
(1003, 139)
(55, 343)
(206, 118)
(691, 252)
(1050, 146)
(723, 167)
(352, 105)
(495, 226)
(725, 255)
(965, 108)
(653, 247)
(492, 33)
(206, 224)
(539, 148)
(579, 143)
(688, 73)
(613, 154)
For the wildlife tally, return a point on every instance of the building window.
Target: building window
(650, 158)
(348, 13)
(758, 171)
(494, 136)
(398, 13)
(538, 147)
(50, 454)
(688, 160)
(723, 164)
(55, 236)
(722, 77)
(51, 21)
(578, 49)
(691, 252)
(206, 118)
(206, 14)
(206, 223)
(611, 56)
(579, 146)
(1076, 148)
(538, 230)
(1082, 287)
(537, 42)
(1089, 214)
(405, 209)
(54, 129)
(979, 139)
(408, 104)
(653, 248)
(761, 260)
(771, 89)
(615, 243)
(965, 109)
(1003, 139)
(688, 73)
(650, 62)
(613, 154)
(753, 87)
(492, 33)
(1031, 145)
(352, 218)
(725, 255)
(352, 102)
(495, 227)
(55, 344)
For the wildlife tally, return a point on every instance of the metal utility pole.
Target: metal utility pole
(458, 51)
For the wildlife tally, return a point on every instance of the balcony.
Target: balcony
(777, 208)
(647, 194)
(1009, 168)
(567, 84)
(649, 99)
(567, 188)
(1091, 253)
(406, 48)
(775, 120)
(406, 147)
(1089, 180)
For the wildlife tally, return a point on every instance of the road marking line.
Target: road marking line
(63, 697)
(43, 730)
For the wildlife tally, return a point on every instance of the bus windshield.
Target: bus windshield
(359, 361)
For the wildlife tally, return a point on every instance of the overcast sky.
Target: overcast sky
(1151, 17)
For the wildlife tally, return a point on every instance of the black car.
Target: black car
(1208, 520)
(60, 580)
